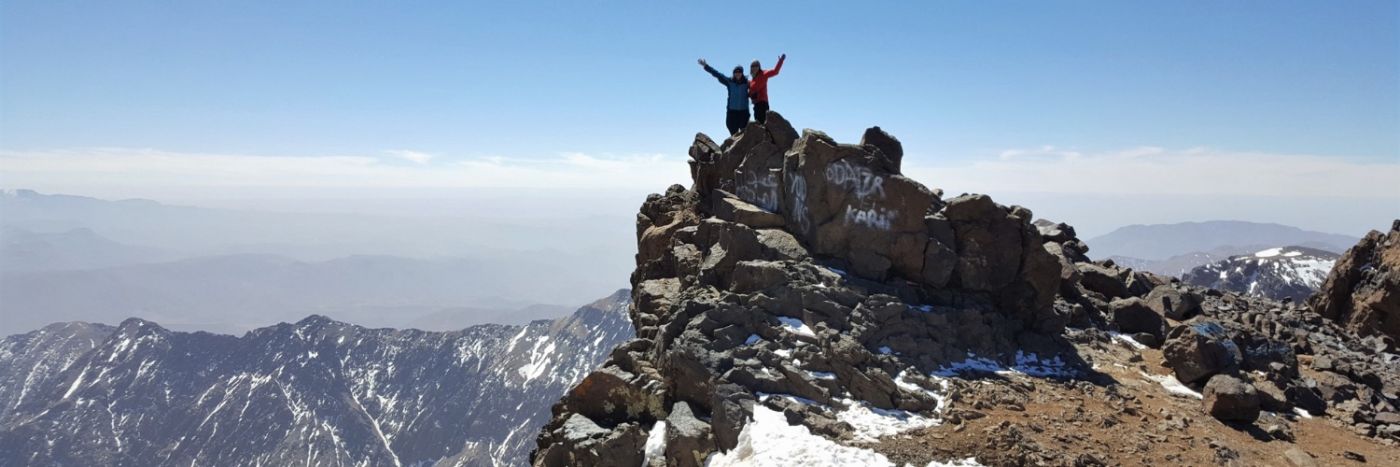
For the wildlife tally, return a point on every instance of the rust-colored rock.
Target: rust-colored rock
(1363, 291)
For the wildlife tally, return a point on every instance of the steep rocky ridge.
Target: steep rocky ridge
(803, 302)
(315, 392)
(1363, 290)
(31, 361)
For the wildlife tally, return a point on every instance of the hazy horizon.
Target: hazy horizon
(511, 144)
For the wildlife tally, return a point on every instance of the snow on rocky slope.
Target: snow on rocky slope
(317, 392)
(1290, 272)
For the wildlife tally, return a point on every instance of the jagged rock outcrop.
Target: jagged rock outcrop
(807, 281)
(796, 265)
(1363, 290)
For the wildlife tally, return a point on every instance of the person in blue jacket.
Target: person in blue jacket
(738, 85)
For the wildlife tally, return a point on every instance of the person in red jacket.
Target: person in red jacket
(758, 87)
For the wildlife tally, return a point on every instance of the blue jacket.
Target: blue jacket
(738, 90)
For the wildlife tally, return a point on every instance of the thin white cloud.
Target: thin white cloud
(411, 156)
(1134, 171)
(136, 171)
(1150, 170)
(1043, 152)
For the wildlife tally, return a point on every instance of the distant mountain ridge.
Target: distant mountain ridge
(234, 293)
(1163, 241)
(497, 259)
(316, 392)
(79, 248)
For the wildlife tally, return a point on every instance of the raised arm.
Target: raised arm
(713, 72)
(776, 69)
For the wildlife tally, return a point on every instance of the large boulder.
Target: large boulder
(1196, 351)
(1057, 232)
(891, 152)
(988, 242)
(661, 218)
(585, 443)
(612, 395)
(1230, 399)
(1363, 290)
(849, 208)
(732, 208)
(688, 439)
(1174, 303)
(1132, 315)
(1104, 280)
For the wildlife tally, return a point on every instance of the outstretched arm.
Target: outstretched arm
(713, 72)
(776, 69)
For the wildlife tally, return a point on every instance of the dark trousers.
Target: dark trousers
(760, 111)
(736, 120)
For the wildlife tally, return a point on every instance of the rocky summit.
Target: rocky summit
(803, 302)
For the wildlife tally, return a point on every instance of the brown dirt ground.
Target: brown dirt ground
(1134, 422)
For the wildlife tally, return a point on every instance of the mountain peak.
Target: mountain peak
(138, 325)
(804, 296)
(316, 320)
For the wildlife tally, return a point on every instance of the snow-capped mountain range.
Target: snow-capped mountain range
(1291, 272)
(317, 392)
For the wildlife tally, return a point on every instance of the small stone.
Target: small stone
(1299, 458)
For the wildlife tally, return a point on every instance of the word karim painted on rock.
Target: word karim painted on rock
(857, 179)
(875, 218)
(761, 190)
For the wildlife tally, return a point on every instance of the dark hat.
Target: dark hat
(739, 69)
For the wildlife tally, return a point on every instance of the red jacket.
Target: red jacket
(758, 85)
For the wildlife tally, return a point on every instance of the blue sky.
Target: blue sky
(961, 83)
(495, 78)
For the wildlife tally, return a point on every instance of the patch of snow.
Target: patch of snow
(1302, 413)
(513, 340)
(796, 326)
(785, 353)
(1269, 253)
(1173, 385)
(968, 462)
(753, 338)
(656, 443)
(539, 360)
(902, 382)
(1126, 339)
(1312, 272)
(1028, 364)
(768, 440)
(76, 382)
(823, 375)
(885, 350)
(763, 396)
(872, 423)
(1292, 254)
